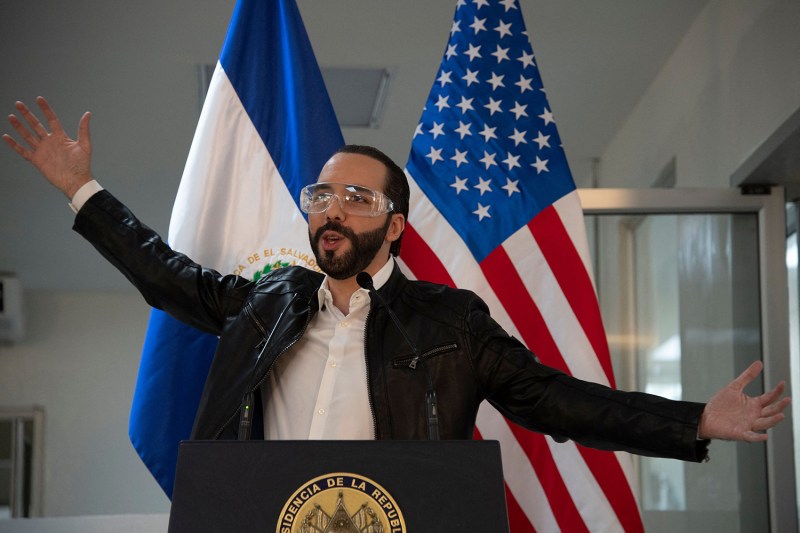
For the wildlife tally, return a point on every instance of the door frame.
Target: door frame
(769, 206)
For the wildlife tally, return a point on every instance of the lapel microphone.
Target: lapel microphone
(364, 280)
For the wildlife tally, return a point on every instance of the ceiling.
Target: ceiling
(134, 64)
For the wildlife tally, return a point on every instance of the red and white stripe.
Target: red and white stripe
(539, 287)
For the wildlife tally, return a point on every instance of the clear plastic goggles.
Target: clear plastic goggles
(353, 199)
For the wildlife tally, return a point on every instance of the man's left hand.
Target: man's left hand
(733, 415)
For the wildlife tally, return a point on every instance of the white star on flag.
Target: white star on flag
(519, 110)
(508, 4)
(526, 60)
(488, 133)
(511, 186)
(503, 29)
(473, 52)
(501, 54)
(495, 81)
(451, 51)
(493, 106)
(444, 78)
(541, 140)
(524, 84)
(488, 159)
(483, 185)
(512, 161)
(460, 158)
(460, 184)
(478, 25)
(435, 155)
(482, 211)
(547, 116)
(518, 137)
(540, 165)
(470, 77)
(465, 104)
(463, 129)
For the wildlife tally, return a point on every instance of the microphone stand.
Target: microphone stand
(364, 280)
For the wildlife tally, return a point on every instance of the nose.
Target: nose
(335, 211)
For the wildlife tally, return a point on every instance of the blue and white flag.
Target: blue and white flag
(266, 129)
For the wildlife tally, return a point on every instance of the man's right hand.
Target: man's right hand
(63, 161)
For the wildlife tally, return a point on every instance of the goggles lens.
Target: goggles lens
(353, 199)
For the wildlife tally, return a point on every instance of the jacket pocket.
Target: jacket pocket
(411, 361)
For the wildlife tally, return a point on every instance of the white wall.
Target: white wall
(732, 81)
(79, 361)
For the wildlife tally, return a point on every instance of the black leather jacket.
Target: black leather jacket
(469, 356)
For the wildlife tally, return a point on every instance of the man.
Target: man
(319, 358)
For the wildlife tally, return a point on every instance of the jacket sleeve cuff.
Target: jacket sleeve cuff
(84, 193)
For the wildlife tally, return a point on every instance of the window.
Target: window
(20, 462)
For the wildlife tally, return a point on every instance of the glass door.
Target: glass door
(692, 285)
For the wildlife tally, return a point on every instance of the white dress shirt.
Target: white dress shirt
(317, 389)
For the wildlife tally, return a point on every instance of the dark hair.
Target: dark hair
(396, 183)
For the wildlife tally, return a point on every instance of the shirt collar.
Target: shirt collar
(378, 280)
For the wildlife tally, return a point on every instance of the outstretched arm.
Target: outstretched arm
(63, 161)
(733, 415)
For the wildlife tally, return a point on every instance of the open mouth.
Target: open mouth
(331, 240)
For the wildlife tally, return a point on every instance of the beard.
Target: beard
(364, 247)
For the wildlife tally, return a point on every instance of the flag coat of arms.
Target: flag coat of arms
(494, 209)
(266, 129)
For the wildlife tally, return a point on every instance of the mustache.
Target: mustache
(333, 225)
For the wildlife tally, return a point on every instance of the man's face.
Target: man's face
(346, 244)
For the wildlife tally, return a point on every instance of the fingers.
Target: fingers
(23, 132)
(748, 375)
(84, 137)
(769, 422)
(33, 122)
(17, 147)
(753, 436)
(49, 114)
(770, 397)
(775, 408)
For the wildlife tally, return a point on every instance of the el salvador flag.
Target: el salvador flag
(266, 129)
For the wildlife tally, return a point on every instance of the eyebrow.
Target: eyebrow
(328, 186)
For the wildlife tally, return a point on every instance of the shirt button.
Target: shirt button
(321, 411)
(344, 323)
(333, 364)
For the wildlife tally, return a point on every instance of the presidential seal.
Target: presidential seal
(343, 503)
(257, 263)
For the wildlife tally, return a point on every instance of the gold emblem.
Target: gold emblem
(342, 503)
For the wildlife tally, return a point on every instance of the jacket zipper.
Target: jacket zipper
(369, 383)
(412, 361)
(264, 342)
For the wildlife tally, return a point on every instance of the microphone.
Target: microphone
(364, 280)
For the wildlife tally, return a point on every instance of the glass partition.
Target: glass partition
(680, 300)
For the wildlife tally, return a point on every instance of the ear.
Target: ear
(396, 227)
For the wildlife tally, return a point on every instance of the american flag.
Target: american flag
(494, 209)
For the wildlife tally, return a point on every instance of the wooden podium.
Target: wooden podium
(342, 486)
